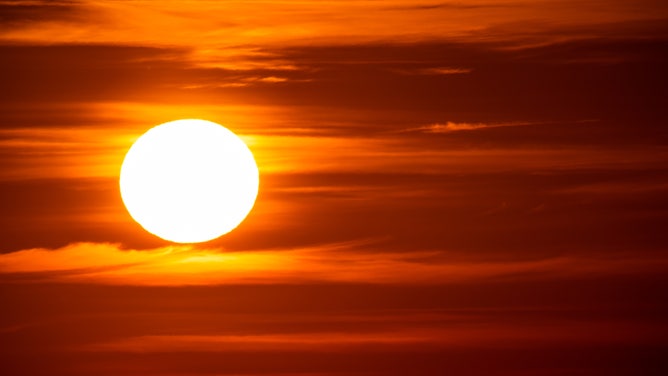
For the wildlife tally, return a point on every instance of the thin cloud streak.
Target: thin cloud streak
(454, 127)
(339, 262)
(461, 335)
(434, 71)
(446, 70)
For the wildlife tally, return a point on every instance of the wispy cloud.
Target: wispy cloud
(435, 71)
(73, 143)
(224, 34)
(241, 82)
(454, 127)
(446, 70)
(462, 334)
(338, 262)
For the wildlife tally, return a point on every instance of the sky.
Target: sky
(446, 188)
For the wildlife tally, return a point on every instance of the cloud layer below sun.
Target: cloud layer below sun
(341, 262)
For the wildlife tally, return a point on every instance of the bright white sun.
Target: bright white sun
(189, 181)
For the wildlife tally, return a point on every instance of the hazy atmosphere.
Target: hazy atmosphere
(446, 188)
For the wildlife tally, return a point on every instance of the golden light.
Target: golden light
(189, 181)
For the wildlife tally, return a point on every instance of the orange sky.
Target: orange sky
(461, 188)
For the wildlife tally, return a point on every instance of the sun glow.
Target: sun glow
(189, 181)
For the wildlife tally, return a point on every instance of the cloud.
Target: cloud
(241, 82)
(624, 188)
(446, 70)
(283, 342)
(435, 71)
(447, 5)
(17, 13)
(349, 262)
(226, 34)
(454, 127)
(460, 334)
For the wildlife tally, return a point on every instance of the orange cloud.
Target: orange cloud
(436, 71)
(451, 126)
(446, 70)
(339, 262)
(283, 140)
(225, 34)
(462, 335)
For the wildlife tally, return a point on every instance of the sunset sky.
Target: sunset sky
(446, 188)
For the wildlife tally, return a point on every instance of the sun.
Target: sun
(189, 181)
